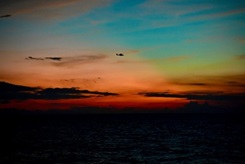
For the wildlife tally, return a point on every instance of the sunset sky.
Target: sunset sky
(62, 54)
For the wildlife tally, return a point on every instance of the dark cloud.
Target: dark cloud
(60, 93)
(235, 84)
(98, 93)
(195, 84)
(78, 60)
(33, 58)
(18, 92)
(47, 58)
(197, 96)
(199, 84)
(7, 87)
(72, 61)
(5, 16)
(54, 58)
(233, 81)
(70, 93)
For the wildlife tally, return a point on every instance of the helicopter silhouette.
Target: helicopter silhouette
(120, 54)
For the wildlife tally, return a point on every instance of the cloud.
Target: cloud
(218, 96)
(54, 58)
(5, 16)
(240, 57)
(191, 81)
(72, 61)
(216, 15)
(47, 58)
(19, 92)
(56, 9)
(77, 60)
(195, 84)
(60, 93)
(174, 8)
(172, 13)
(162, 59)
(33, 58)
(228, 13)
(236, 84)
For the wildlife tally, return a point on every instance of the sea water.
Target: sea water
(124, 138)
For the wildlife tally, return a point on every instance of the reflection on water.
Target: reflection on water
(135, 138)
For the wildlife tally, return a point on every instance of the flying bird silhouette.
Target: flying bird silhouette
(120, 54)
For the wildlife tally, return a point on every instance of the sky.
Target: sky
(62, 54)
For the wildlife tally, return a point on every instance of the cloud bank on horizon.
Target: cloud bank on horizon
(19, 92)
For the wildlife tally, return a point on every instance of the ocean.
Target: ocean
(123, 138)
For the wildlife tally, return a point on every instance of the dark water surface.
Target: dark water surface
(125, 138)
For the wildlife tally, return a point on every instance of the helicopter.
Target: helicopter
(119, 54)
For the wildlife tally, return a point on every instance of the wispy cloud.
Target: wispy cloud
(46, 58)
(153, 60)
(236, 84)
(212, 81)
(192, 83)
(33, 58)
(218, 96)
(217, 14)
(18, 92)
(174, 7)
(172, 13)
(49, 9)
(78, 60)
(71, 61)
(240, 57)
